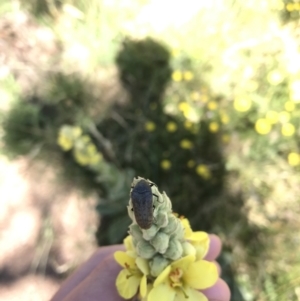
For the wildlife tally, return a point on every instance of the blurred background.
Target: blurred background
(201, 97)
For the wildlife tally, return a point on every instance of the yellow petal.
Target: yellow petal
(143, 265)
(192, 294)
(199, 236)
(128, 243)
(201, 274)
(123, 259)
(187, 227)
(184, 262)
(127, 284)
(162, 276)
(143, 286)
(162, 292)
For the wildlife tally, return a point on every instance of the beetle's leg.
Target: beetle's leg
(157, 197)
(152, 184)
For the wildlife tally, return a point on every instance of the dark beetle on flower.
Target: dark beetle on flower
(142, 203)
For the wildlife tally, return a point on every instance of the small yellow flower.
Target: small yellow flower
(76, 131)
(95, 159)
(242, 103)
(150, 126)
(225, 118)
(64, 142)
(91, 149)
(294, 159)
(188, 125)
(195, 96)
(165, 164)
(212, 105)
(225, 138)
(203, 171)
(191, 163)
(272, 117)
(188, 75)
(182, 279)
(186, 144)
(177, 76)
(274, 77)
(263, 126)
(183, 106)
(171, 127)
(133, 276)
(213, 127)
(288, 129)
(289, 106)
(284, 117)
(81, 158)
(290, 7)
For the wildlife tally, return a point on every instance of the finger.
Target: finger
(219, 292)
(215, 246)
(98, 285)
(78, 276)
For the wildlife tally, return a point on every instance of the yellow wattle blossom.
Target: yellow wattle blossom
(242, 103)
(186, 144)
(263, 126)
(213, 127)
(81, 158)
(64, 142)
(191, 163)
(289, 106)
(133, 276)
(203, 171)
(188, 75)
(177, 76)
(272, 117)
(188, 111)
(288, 129)
(294, 159)
(212, 105)
(150, 126)
(165, 164)
(76, 131)
(182, 279)
(284, 117)
(171, 127)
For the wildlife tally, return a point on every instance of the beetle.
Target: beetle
(142, 203)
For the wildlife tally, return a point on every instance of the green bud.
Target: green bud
(172, 225)
(157, 265)
(160, 242)
(145, 250)
(135, 232)
(161, 219)
(150, 233)
(174, 250)
(188, 249)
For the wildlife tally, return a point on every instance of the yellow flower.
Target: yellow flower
(182, 279)
(242, 103)
(212, 105)
(183, 106)
(177, 76)
(294, 159)
(64, 142)
(171, 127)
(95, 159)
(188, 111)
(290, 7)
(150, 126)
(191, 163)
(80, 157)
(188, 75)
(195, 96)
(188, 125)
(274, 77)
(289, 106)
(284, 117)
(186, 144)
(133, 276)
(76, 131)
(213, 127)
(203, 171)
(224, 118)
(288, 129)
(199, 239)
(165, 164)
(225, 138)
(263, 126)
(272, 117)
(295, 91)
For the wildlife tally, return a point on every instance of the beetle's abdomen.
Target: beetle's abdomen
(142, 207)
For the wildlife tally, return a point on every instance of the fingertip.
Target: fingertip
(215, 246)
(219, 292)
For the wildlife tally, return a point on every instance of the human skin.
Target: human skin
(95, 279)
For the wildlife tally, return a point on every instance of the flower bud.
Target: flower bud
(160, 242)
(157, 265)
